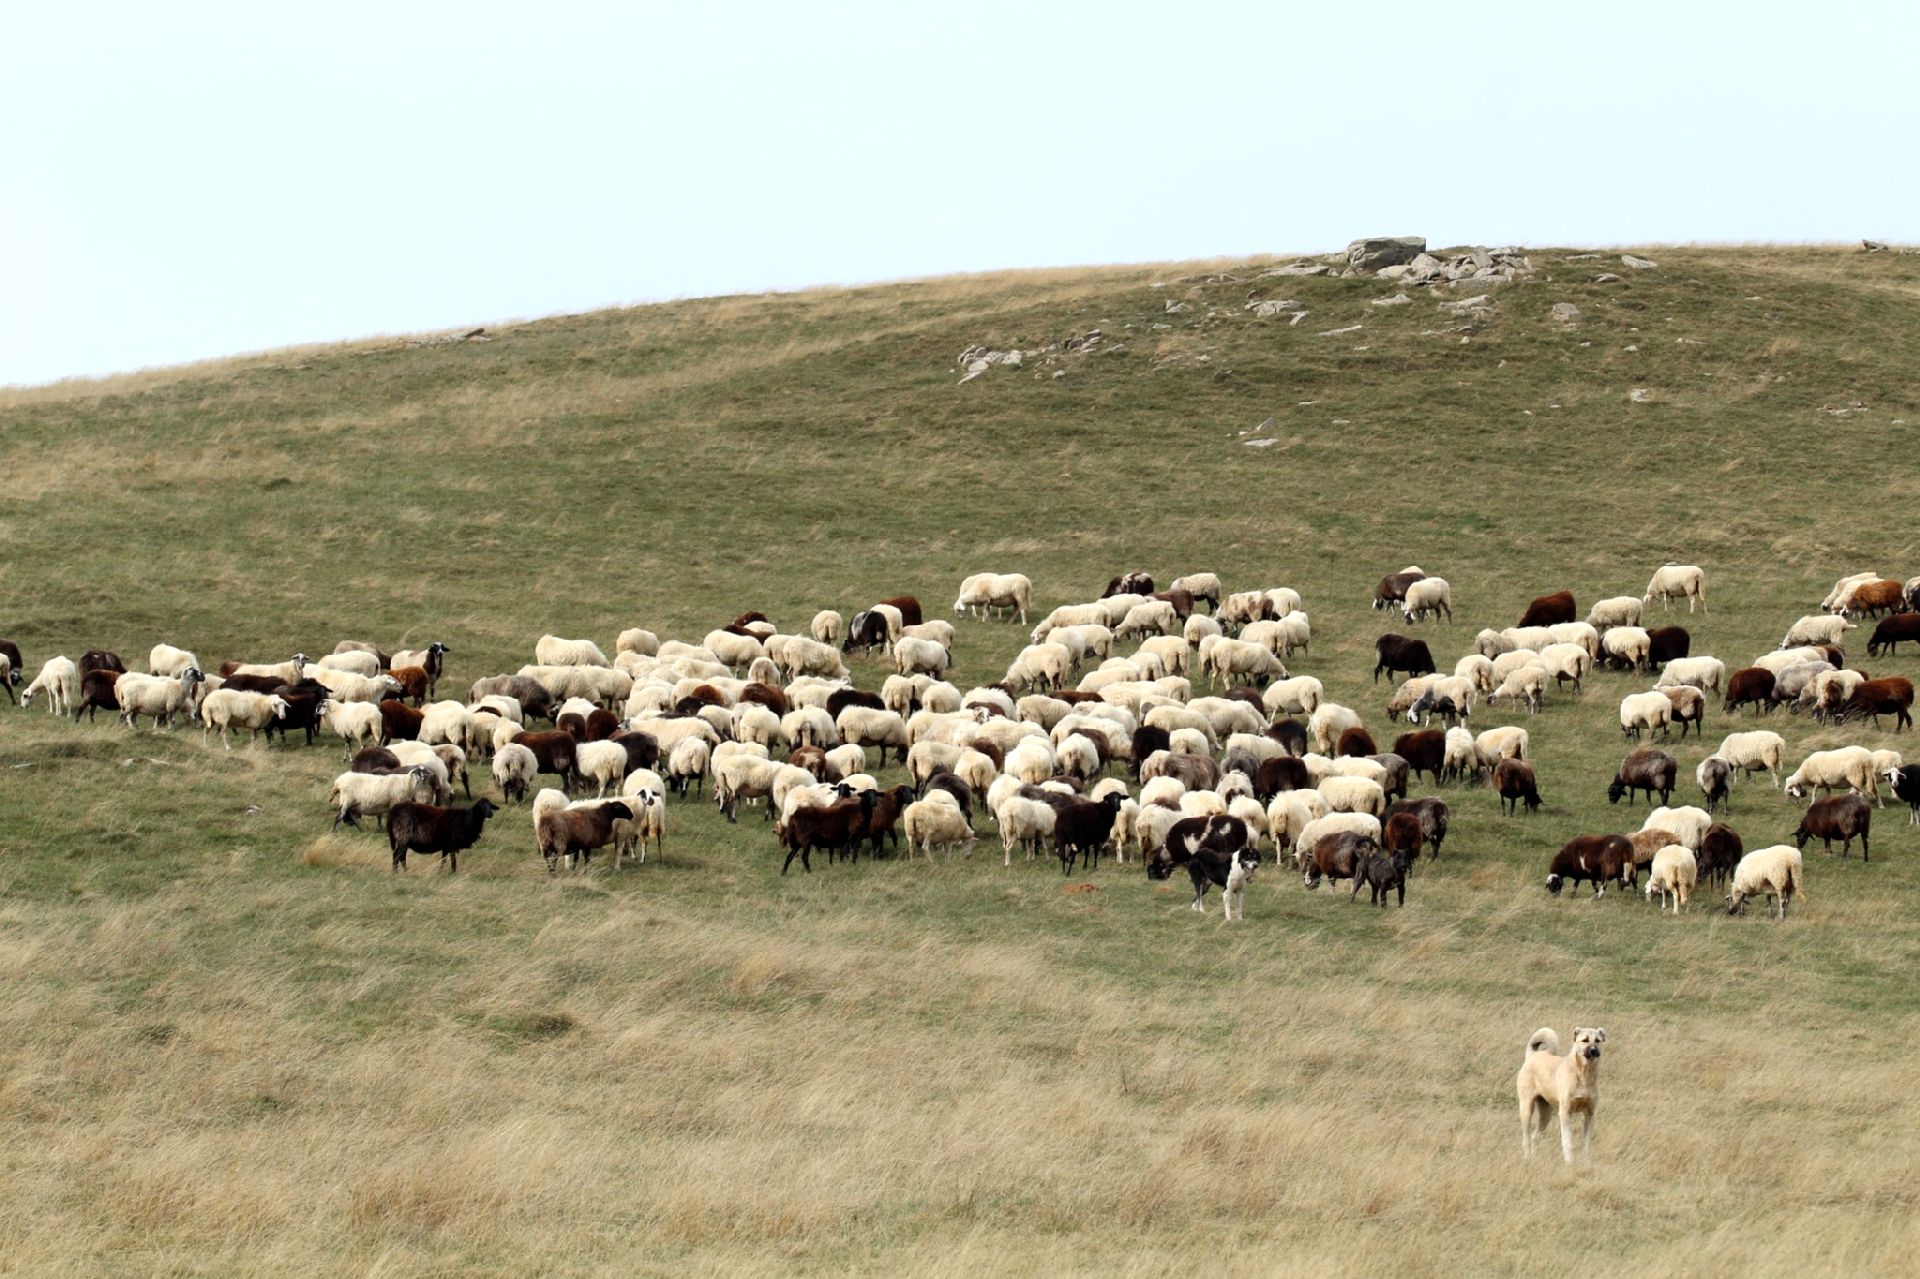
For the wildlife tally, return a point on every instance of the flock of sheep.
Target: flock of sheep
(1080, 747)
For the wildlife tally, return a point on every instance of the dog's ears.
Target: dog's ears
(1600, 1034)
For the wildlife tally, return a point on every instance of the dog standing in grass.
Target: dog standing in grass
(1569, 1085)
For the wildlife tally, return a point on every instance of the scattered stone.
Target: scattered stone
(1872, 246)
(1300, 268)
(1059, 372)
(1606, 277)
(1566, 312)
(1640, 395)
(1351, 328)
(1267, 308)
(1297, 317)
(1378, 251)
(1342, 421)
(1638, 264)
(1261, 444)
(1398, 299)
(1175, 308)
(1468, 306)
(1155, 326)
(1631, 346)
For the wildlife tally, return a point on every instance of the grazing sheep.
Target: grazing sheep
(732, 649)
(1429, 596)
(1677, 581)
(1353, 795)
(1327, 722)
(1645, 769)
(912, 655)
(1686, 824)
(1754, 751)
(225, 709)
(165, 659)
(1477, 671)
(350, 686)
(1042, 665)
(1673, 876)
(1496, 744)
(828, 627)
(1526, 686)
(1842, 817)
(423, 828)
(1714, 777)
(1836, 598)
(1491, 644)
(1621, 610)
(1546, 610)
(936, 819)
(1310, 834)
(514, 768)
(355, 662)
(1847, 766)
(1627, 647)
(578, 828)
(1198, 627)
(1234, 659)
(1644, 712)
(1201, 586)
(1689, 707)
(1883, 595)
(161, 696)
(1817, 629)
(1595, 859)
(1781, 659)
(358, 724)
(1513, 783)
(1461, 761)
(863, 726)
(1300, 695)
(1705, 673)
(1393, 587)
(1778, 872)
(988, 591)
(1888, 635)
(59, 679)
(551, 650)
(1749, 686)
(1892, 695)
(357, 795)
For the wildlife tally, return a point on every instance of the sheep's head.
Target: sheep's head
(278, 705)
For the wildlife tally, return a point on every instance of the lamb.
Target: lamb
(988, 591)
(1848, 766)
(1674, 874)
(1687, 825)
(356, 795)
(1753, 752)
(1817, 629)
(1677, 581)
(1328, 721)
(1525, 687)
(551, 650)
(1429, 596)
(161, 696)
(1777, 872)
(828, 627)
(514, 768)
(1644, 712)
(59, 679)
(165, 659)
(227, 709)
(1621, 610)
(936, 819)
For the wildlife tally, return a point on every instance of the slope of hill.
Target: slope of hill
(237, 1043)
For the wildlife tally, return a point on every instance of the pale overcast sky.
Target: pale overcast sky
(193, 180)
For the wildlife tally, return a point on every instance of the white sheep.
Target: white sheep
(1327, 722)
(798, 655)
(1202, 803)
(1628, 646)
(1300, 695)
(1817, 629)
(1289, 814)
(356, 723)
(937, 819)
(1533, 637)
(863, 726)
(1516, 659)
(1038, 708)
(1202, 586)
(1782, 659)
(668, 733)
(1477, 670)
(1704, 673)
(1198, 626)
(1172, 717)
(350, 686)
(1620, 610)
(1189, 741)
(1644, 712)
(1673, 876)
(1230, 660)
(735, 651)
(1430, 596)
(1842, 592)
(356, 662)
(443, 767)
(1043, 665)
(639, 641)
(1524, 687)
(601, 764)
(165, 659)
(59, 679)
(1173, 652)
(1228, 715)
(1154, 617)
(988, 591)
(1460, 759)
(1032, 761)
(551, 650)
(1496, 744)
(356, 795)
(1490, 643)
(562, 682)
(514, 768)
(1848, 766)
(1581, 633)
(1754, 751)
(912, 655)
(1830, 690)
(1242, 607)
(447, 721)
(1677, 581)
(1687, 824)
(1777, 871)
(288, 672)
(1313, 832)
(828, 627)
(1353, 795)
(161, 696)
(1023, 821)
(230, 708)
(1070, 615)
(1566, 661)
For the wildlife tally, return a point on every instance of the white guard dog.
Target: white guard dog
(1569, 1085)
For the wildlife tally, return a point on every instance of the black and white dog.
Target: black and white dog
(1215, 850)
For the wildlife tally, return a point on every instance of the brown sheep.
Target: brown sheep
(1550, 610)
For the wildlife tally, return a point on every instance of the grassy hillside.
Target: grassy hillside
(232, 1043)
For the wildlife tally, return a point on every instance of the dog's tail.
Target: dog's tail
(1544, 1040)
